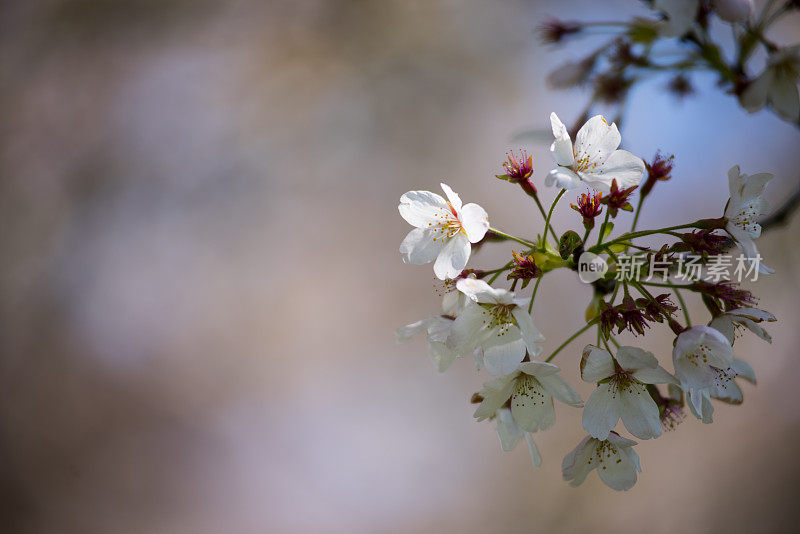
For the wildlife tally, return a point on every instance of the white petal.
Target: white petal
(559, 130)
(784, 98)
(529, 332)
(575, 466)
(563, 178)
(419, 246)
(539, 369)
(439, 328)
(507, 429)
(700, 405)
(596, 140)
(754, 184)
(560, 389)
(601, 411)
(735, 183)
(633, 358)
(474, 221)
(453, 257)
(477, 357)
(621, 166)
(720, 353)
(620, 442)
(452, 197)
(680, 13)
(754, 314)
(536, 459)
(419, 208)
(656, 375)
(744, 369)
(724, 324)
(472, 287)
(503, 353)
(495, 394)
(561, 149)
(596, 364)
(734, 10)
(451, 303)
(469, 329)
(727, 390)
(754, 97)
(617, 471)
(441, 356)
(531, 405)
(639, 412)
(405, 333)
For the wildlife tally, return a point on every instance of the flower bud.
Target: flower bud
(589, 208)
(660, 170)
(617, 199)
(518, 167)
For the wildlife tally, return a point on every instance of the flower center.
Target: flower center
(699, 355)
(723, 376)
(747, 218)
(447, 224)
(498, 316)
(603, 455)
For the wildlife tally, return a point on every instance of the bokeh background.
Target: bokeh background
(199, 278)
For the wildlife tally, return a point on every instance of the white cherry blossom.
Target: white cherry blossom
(444, 230)
(498, 323)
(744, 209)
(594, 159)
(725, 388)
(622, 391)
(531, 390)
(437, 329)
(510, 434)
(750, 318)
(614, 458)
(777, 85)
(703, 359)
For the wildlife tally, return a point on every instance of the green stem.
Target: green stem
(533, 295)
(636, 216)
(586, 234)
(512, 238)
(683, 307)
(544, 216)
(642, 233)
(572, 338)
(550, 213)
(498, 271)
(602, 229)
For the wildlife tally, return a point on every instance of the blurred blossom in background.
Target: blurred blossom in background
(200, 284)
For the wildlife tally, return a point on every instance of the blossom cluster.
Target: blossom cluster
(495, 327)
(682, 31)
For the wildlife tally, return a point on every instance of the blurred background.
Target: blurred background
(200, 284)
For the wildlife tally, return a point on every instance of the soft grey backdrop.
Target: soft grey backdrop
(199, 278)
